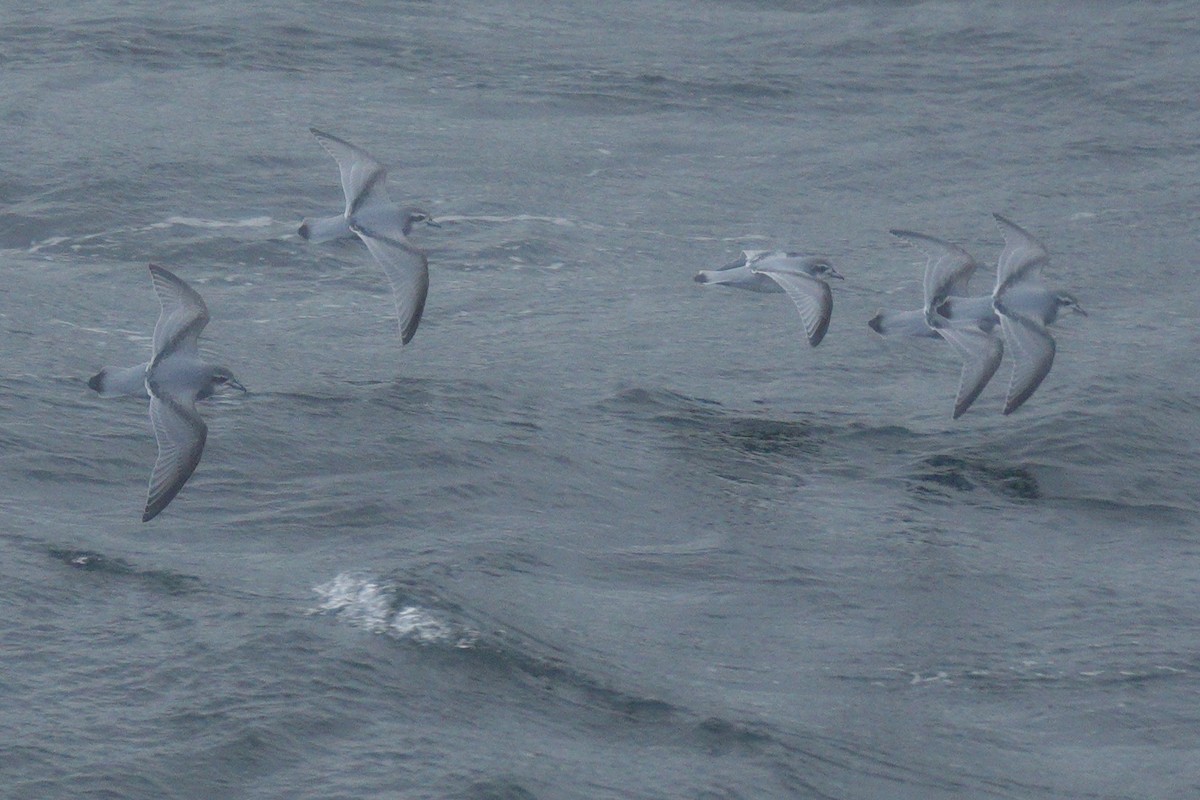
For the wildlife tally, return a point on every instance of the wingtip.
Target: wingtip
(875, 323)
(153, 509)
(407, 334)
(700, 277)
(1005, 222)
(819, 332)
(963, 404)
(96, 382)
(1011, 404)
(304, 231)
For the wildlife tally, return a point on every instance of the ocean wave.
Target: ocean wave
(379, 606)
(166, 581)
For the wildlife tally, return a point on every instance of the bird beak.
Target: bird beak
(833, 273)
(431, 223)
(237, 385)
(1078, 310)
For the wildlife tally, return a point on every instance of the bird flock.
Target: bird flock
(1012, 319)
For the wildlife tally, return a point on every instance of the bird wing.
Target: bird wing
(742, 260)
(182, 317)
(948, 268)
(1022, 258)
(1032, 351)
(980, 353)
(812, 297)
(363, 177)
(181, 435)
(407, 269)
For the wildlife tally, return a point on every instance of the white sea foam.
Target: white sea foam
(562, 222)
(377, 606)
(51, 242)
(197, 222)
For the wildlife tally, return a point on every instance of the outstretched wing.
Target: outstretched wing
(180, 434)
(812, 297)
(980, 353)
(182, 317)
(948, 269)
(1022, 258)
(407, 269)
(363, 177)
(1031, 349)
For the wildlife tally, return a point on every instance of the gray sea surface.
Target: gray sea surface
(599, 531)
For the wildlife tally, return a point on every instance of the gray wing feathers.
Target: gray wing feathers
(1022, 258)
(407, 269)
(948, 269)
(362, 176)
(181, 435)
(1031, 350)
(980, 353)
(812, 297)
(741, 262)
(183, 314)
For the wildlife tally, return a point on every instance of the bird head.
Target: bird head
(411, 216)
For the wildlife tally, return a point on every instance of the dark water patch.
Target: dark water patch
(58, 469)
(614, 91)
(726, 735)
(944, 475)
(427, 395)
(1164, 518)
(321, 405)
(746, 450)
(640, 401)
(711, 562)
(164, 581)
(170, 43)
(881, 433)
(741, 450)
(1111, 151)
(335, 507)
(510, 562)
(769, 436)
(498, 789)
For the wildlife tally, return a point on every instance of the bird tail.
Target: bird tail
(325, 229)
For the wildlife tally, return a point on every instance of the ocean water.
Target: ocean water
(599, 532)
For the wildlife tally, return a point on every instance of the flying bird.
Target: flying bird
(381, 224)
(802, 277)
(174, 378)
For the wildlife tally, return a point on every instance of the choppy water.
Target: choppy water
(599, 532)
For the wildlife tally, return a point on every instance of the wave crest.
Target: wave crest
(380, 607)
